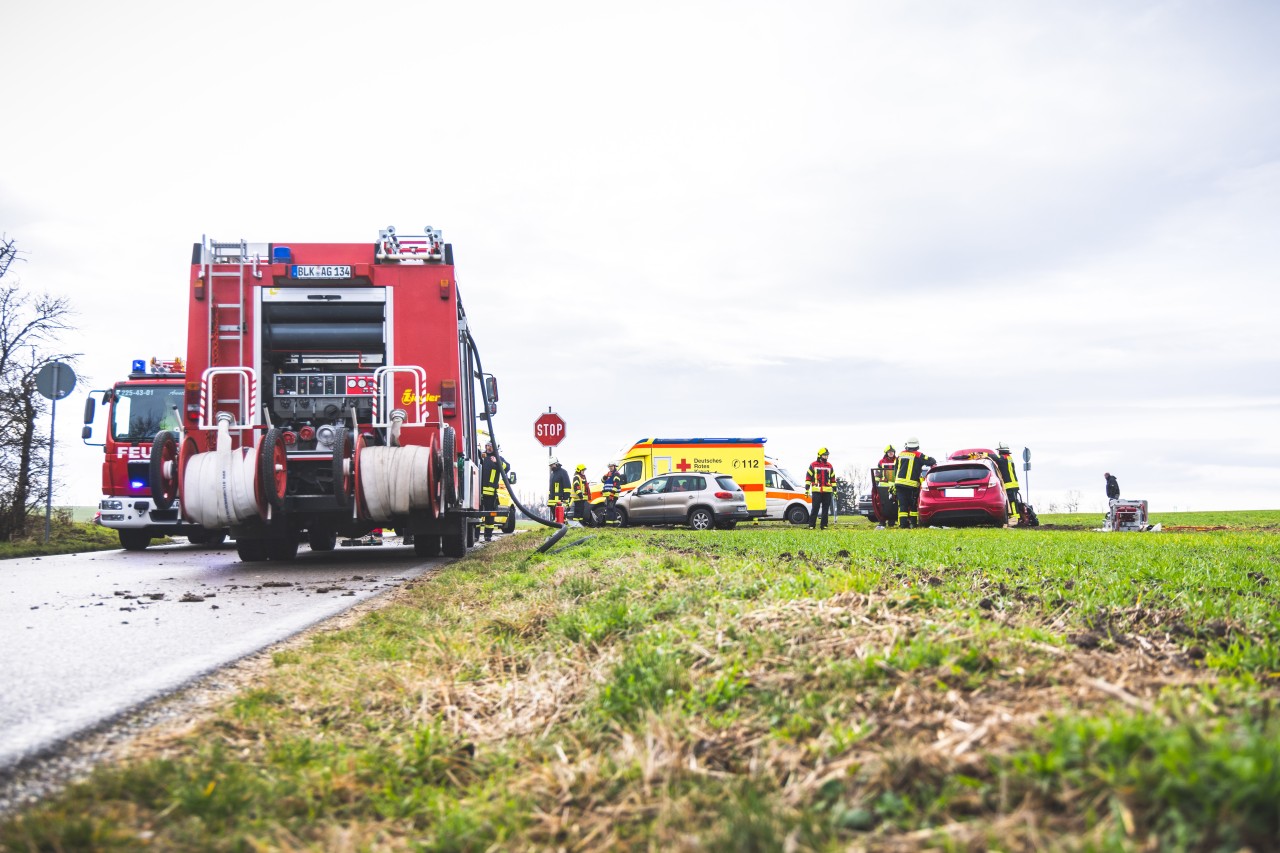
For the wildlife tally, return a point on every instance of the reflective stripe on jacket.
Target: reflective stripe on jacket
(611, 484)
(581, 487)
(1008, 471)
(821, 477)
(907, 470)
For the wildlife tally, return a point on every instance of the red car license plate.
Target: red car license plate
(958, 493)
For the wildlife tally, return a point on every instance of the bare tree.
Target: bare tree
(853, 481)
(31, 328)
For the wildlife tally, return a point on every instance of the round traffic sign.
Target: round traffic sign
(55, 380)
(549, 429)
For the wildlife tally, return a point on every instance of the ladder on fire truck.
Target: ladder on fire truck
(228, 298)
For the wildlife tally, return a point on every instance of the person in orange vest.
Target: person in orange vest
(906, 483)
(821, 482)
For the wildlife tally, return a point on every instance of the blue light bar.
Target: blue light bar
(139, 365)
(136, 484)
(281, 255)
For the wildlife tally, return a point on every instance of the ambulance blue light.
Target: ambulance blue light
(281, 255)
(139, 365)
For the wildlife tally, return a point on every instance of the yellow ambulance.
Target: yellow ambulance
(741, 458)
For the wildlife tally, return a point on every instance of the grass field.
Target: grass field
(767, 688)
(65, 537)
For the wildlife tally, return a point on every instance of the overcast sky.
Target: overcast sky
(825, 223)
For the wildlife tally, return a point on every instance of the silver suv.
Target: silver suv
(702, 500)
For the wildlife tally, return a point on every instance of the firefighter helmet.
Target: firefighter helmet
(912, 444)
(581, 468)
(888, 448)
(1002, 448)
(822, 451)
(552, 461)
(613, 464)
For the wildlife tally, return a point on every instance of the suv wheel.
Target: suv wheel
(798, 515)
(700, 518)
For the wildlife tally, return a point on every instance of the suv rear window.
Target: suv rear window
(728, 484)
(959, 474)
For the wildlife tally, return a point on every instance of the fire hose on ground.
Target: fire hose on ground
(563, 528)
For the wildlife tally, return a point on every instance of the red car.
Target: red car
(965, 491)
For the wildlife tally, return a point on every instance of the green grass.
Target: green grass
(65, 537)
(752, 690)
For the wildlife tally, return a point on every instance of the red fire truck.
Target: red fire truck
(331, 389)
(137, 410)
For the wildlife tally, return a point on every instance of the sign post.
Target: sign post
(1026, 466)
(54, 381)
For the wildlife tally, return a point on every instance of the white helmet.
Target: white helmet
(1002, 448)
(912, 444)
(553, 461)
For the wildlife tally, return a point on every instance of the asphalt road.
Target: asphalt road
(86, 637)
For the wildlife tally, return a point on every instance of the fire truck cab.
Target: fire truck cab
(138, 408)
(332, 388)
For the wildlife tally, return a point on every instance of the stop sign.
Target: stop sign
(549, 429)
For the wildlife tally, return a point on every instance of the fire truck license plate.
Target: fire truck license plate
(321, 271)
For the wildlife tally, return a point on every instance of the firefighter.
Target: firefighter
(490, 477)
(558, 490)
(581, 495)
(821, 480)
(906, 483)
(1009, 475)
(1113, 488)
(610, 486)
(883, 486)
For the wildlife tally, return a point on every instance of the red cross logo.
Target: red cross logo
(683, 466)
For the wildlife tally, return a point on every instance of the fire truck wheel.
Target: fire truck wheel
(164, 469)
(798, 515)
(283, 549)
(343, 451)
(273, 469)
(322, 538)
(426, 545)
(448, 449)
(509, 526)
(251, 550)
(200, 536)
(134, 540)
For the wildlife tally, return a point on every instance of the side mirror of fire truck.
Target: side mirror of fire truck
(90, 408)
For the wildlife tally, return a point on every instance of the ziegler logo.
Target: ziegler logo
(410, 397)
(141, 453)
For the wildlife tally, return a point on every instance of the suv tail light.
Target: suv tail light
(724, 496)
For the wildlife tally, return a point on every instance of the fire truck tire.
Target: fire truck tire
(343, 465)
(189, 449)
(322, 538)
(448, 449)
(426, 545)
(164, 455)
(455, 544)
(134, 540)
(798, 515)
(509, 526)
(283, 549)
(200, 536)
(273, 469)
(251, 550)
